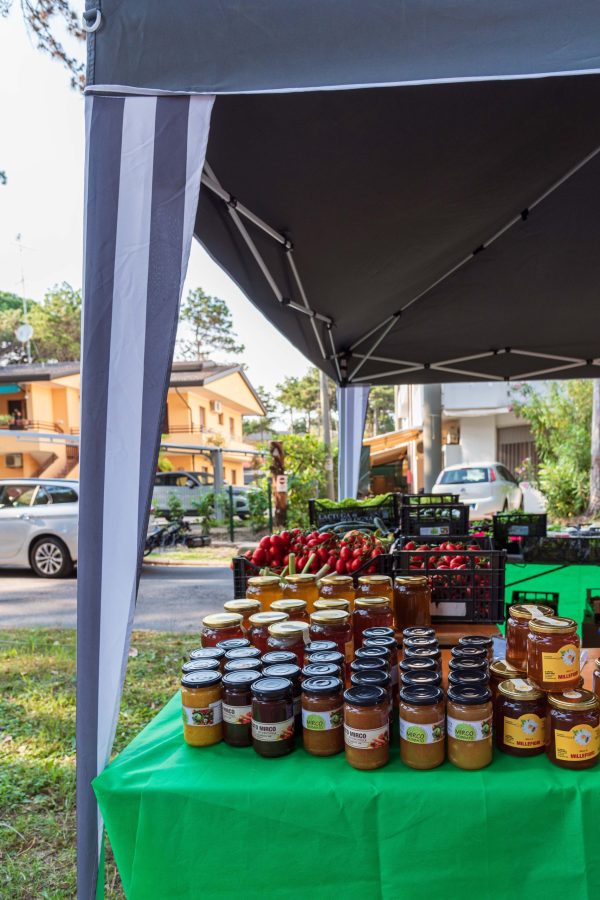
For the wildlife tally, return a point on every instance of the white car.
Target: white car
(487, 487)
(38, 525)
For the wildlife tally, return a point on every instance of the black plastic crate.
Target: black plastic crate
(537, 598)
(436, 519)
(515, 532)
(428, 499)
(387, 511)
(564, 551)
(471, 594)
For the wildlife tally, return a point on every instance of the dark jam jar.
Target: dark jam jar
(323, 715)
(272, 717)
(520, 718)
(209, 653)
(275, 657)
(237, 707)
(243, 653)
(481, 641)
(321, 670)
(319, 646)
(370, 612)
(293, 673)
(573, 729)
(240, 643)
(194, 664)
(246, 664)
(219, 627)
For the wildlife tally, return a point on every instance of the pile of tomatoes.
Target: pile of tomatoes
(461, 577)
(447, 555)
(297, 551)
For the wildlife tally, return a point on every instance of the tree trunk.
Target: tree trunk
(594, 507)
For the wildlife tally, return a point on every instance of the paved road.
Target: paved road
(172, 598)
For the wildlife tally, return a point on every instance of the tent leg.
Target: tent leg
(352, 412)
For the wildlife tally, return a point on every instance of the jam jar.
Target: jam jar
(275, 657)
(553, 653)
(259, 628)
(314, 670)
(289, 635)
(412, 601)
(501, 670)
(193, 665)
(244, 608)
(336, 587)
(247, 663)
(479, 640)
(472, 665)
(325, 603)
(265, 589)
(573, 729)
(209, 653)
(333, 625)
(375, 653)
(323, 715)
(382, 679)
(237, 707)
(366, 726)
(375, 586)
(294, 609)
(468, 676)
(419, 643)
(301, 587)
(318, 646)
(517, 629)
(520, 718)
(469, 726)
(272, 716)
(596, 679)
(201, 701)
(422, 726)
(381, 631)
(220, 626)
(370, 612)
(291, 671)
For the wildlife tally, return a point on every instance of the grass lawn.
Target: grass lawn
(195, 556)
(37, 750)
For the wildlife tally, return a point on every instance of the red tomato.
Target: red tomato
(345, 553)
(340, 567)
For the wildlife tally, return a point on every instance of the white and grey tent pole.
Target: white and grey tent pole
(352, 412)
(143, 166)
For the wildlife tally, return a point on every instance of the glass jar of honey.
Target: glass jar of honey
(333, 625)
(370, 612)
(209, 653)
(337, 587)
(289, 635)
(412, 601)
(294, 609)
(596, 679)
(422, 726)
(375, 586)
(325, 603)
(553, 653)
(201, 701)
(501, 670)
(482, 641)
(265, 589)
(258, 633)
(237, 707)
(219, 627)
(244, 608)
(469, 726)
(301, 587)
(517, 629)
(323, 715)
(520, 718)
(366, 726)
(573, 729)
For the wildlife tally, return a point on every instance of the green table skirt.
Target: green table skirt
(220, 822)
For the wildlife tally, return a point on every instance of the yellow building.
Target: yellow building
(205, 407)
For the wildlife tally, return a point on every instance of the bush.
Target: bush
(565, 487)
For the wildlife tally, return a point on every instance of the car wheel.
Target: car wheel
(50, 558)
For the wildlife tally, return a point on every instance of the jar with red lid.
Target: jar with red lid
(323, 604)
(412, 601)
(370, 612)
(291, 671)
(273, 726)
(573, 729)
(334, 587)
(301, 587)
(482, 641)
(258, 634)
(294, 609)
(553, 648)
(517, 630)
(375, 586)
(520, 718)
(219, 627)
(276, 657)
(501, 670)
(292, 636)
(333, 625)
(237, 707)
(265, 589)
(244, 608)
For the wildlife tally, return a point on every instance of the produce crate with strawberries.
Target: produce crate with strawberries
(516, 531)
(447, 519)
(466, 576)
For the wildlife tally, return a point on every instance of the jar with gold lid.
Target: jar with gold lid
(573, 729)
(219, 627)
(289, 635)
(294, 609)
(325, 603)
(265, 589)
(370, 612)
(553, 648)
(244, 608)
(375, 586)
(337, 587)
(259, 628)
(301, 587)
(502, 670)
(333, 625)
(520, 718)
(412, 601)
(517, 629)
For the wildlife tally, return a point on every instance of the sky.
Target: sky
(42, 153)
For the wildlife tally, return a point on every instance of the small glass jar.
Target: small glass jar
(375, 653)
(327, 656)
(379, 677)
(208, 653)
(370, 612)
(412, 601)
(425, 653)
(276, 657)
(244, 608)
(233, 644)
(553, 653)
(272, 717)
(237, 707)
(323, 604)
(323, 715)
(201, 701)
(469, 727)
(482, 641)
(194, 665)
(301, 587)
(417, 664)
(247, 663)
(375, 586)
(319, 647)
(334, 587)
(366, 727)
(573, 729)
(517, 629)
(318, 670)
(423, 643)
(413, 679)
(258, 634)
(596, 679)
(477, 654)
(501, 670)
(422, 726)
(219, 627)
(294, 609)
(468, 676)
(243, 653)
(292, 636)
(265, 589)
(520, 718)
(333, 625)
(388, 641)
(293, 673)
(417, 631)
(366, 665)
(381, 631)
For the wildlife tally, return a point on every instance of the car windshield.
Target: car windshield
(15, 495)
(464, 476)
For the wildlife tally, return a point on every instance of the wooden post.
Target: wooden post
(279, 482)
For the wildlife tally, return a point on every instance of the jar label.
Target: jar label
(203, 717)
(525, 733)
(580, 743)
(273, 731)
(323, 721)
(349, 650)
(469, 731)
(367, 738)
(237, 715)
(562, 665)
(422, 734)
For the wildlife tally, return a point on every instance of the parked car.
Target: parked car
(487, 487)
(38, 525)
(190, 487)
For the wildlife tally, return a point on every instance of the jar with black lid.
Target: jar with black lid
(368, 665)
(482, 641)
(473, 665)
(374, 653)
(366, 726)
(469, 726)
(319, 646)
(208, 653)
(426, 643)
(416, 664)
(327, 656)
(246, 664)
(433, 653)
(414, 679)
(479, 654)
(272, 717)
(193, 665)
(323, 715)
(474, 677)
(415, 631)
(380, 678)
(422, 726)
(233, 644)
(379, 631)
(237, 707)
(293, 673)
(243, 653)
(275, 657)
(321, 670)
(388, 641)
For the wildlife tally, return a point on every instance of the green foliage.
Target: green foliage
(302, 395)
(11, 301)
(205, 507)
(305, 467)
(56, 323)
(380, 410)
(211, 325)
(164, 464)
(258, 504)
(175, 508)
(561, 421)
(263, 425)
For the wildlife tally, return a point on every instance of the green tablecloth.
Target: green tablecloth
(220, 822)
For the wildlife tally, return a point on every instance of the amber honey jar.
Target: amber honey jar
(553, 653)
(258, 633)
(501, 670)
(412, 601)
(333, 625)
(201, 702)
(469, 726)
(326, 603)
(265, 589)
(244, 608)
(336, 587)
(520, 718)
(573, 729)
(422, 726)
(517, 629)
(370, 612)
(219, 627)
(294, 609)
(375, 586)
(323, 715)
(366, 726)
(596, 679)
(289, 635)
(301, 587)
